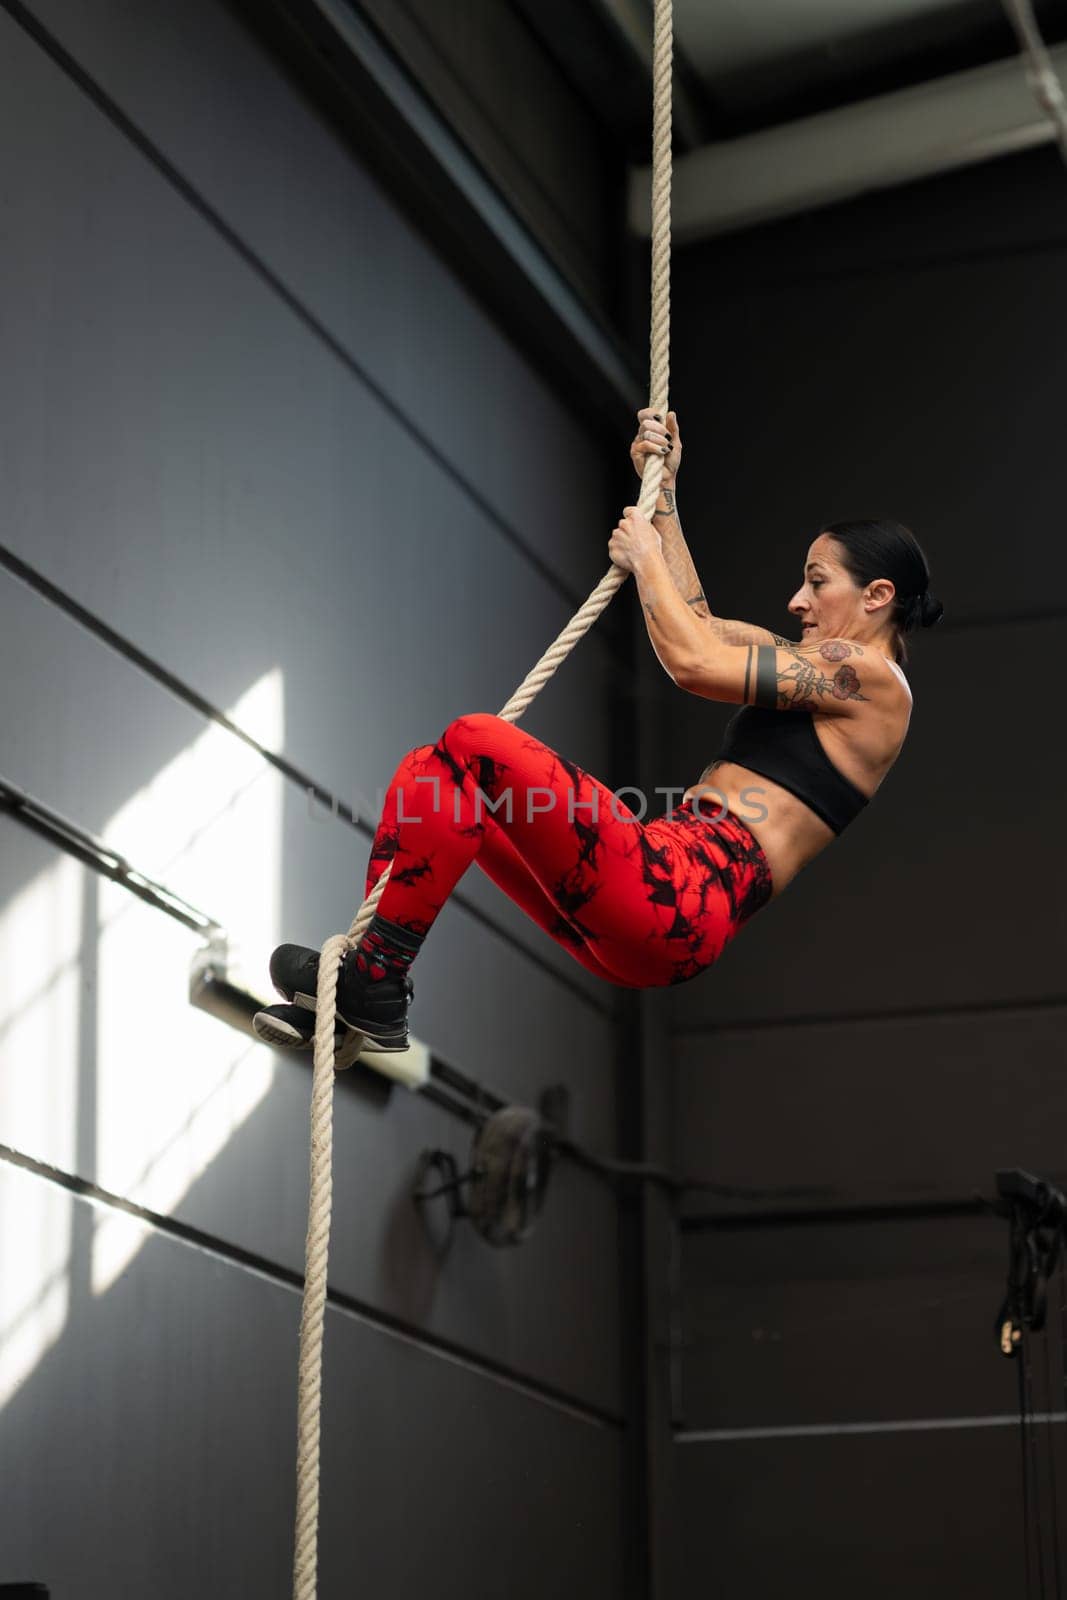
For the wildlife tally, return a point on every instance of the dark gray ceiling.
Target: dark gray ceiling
(767, 61)
(750, 64)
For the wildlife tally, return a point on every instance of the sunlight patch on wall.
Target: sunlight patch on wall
(40, 938)
(40, 934)
(34, 1274)
(173, 1084)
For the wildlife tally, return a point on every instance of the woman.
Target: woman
(647, 904)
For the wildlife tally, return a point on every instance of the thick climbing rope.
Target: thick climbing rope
(1048, 91)
(327, 1060)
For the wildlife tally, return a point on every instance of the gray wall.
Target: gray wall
(250, 423)
(890, 1032)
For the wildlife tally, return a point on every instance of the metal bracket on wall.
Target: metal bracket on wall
(506, 1182)
(1037, 1212)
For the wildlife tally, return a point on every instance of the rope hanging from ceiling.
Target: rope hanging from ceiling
(327, 1059)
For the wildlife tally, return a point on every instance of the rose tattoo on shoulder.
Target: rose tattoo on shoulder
(846, 684)
(837, 650)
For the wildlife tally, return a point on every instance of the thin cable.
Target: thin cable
(1053, 1391)
(327, 1061)
(1020, 1369)
(1030, 1427)
(1041, 74)
(1063, 1338)
(1050, 1437)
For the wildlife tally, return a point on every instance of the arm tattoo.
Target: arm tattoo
(800, 680)
(745, 633)
(683, 573)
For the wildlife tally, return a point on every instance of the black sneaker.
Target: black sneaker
(376, 1007)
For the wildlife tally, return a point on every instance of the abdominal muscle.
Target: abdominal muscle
(789, 832)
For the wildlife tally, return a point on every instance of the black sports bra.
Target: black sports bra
(784, 746)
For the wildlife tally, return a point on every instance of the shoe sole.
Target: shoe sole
(272, 1030)
(382, 1038)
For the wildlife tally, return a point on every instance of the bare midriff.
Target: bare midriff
(862, 749)
(789, 832)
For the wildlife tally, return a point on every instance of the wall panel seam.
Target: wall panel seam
(342, 1304)
(829, 1430)
(982, 1008)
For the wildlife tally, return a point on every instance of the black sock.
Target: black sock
(387, 949)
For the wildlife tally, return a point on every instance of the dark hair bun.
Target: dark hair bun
(922, 611)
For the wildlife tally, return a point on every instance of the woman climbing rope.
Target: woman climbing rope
(644, 904)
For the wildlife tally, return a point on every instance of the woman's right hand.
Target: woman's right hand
(656, 437)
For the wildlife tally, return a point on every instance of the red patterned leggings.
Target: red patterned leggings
(641, 904)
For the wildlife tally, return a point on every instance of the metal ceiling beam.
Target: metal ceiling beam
(948, 123)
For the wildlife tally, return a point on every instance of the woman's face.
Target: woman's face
(827, 601)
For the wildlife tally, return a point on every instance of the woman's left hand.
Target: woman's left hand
(633, 540)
